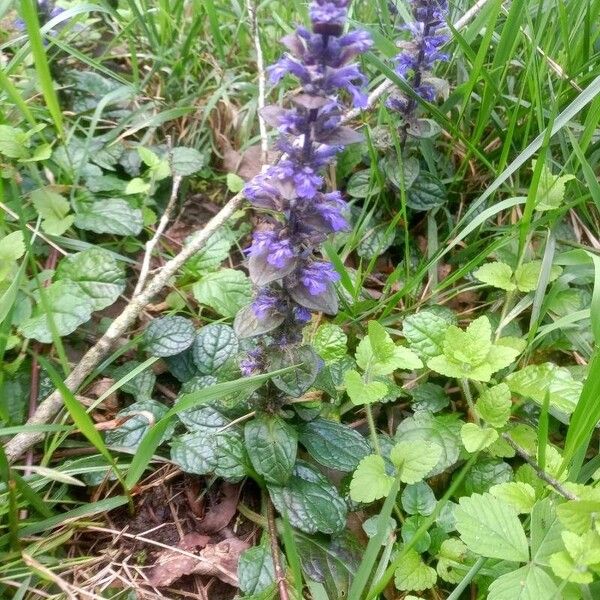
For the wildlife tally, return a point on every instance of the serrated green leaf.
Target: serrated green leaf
(528, 274)
(441, 430)
(13, 142)
(496, 274)
(214, 345)
(271, 444)
(226, 291)
(186, 161)
(168, 336)
(491, 528)
(413, 574)
(545, 531)
(415, 459)
(145, 414)
(476, 438)
(452, 557)
(425, 331)
(370, 480)
(231, 457)
(429, 397)
(299, 380)
(194, 452)
(551, 189)
(97, 274)
(535, 381)
(215, 251)
(54, 210)
(521, 496)
(568, 569)
(69, 308)
(334, 445)
(418, 499)
(309, 501)
(361, 392)
(110, 215)
(527, 583)
(12, 247)
(470, 354)
(330, 342)
(256, 571)
(494, 405)
(426, 192)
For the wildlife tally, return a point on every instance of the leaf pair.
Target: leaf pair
(377, 355)
(524, 279)
(470, 354)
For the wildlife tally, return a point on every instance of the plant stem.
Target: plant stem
(372, 429)
(466, 390)
(459, 589)
(279, 572)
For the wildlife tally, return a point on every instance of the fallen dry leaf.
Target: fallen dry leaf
(216, 560)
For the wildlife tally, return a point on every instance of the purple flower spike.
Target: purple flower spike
(291, 282)
(420, 54)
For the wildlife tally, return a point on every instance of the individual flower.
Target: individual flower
(316, 276)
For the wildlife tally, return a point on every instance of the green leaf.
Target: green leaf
(426, 192)
(415, 459)
(330, 342)
(551, 189)
(580, 515)
(149, 158)
(535, 381)
(185, 161)
(300, 379)
(403, 175)
(12, 247)
(521, 496)
(272, 444)
(581, 552)
(235, 184)
(194, 452)
(418, 499)
(13, 142)
(370, 481)
(378, 354)
(476, 438)
(97, 274)
(361, 392)
(214, 345)
(69, 307)
(429, 397)
(137, 186)
(527, 275)
(168, 336)
(141, 385)
(376, 241)
(496, 274)
(442, 430)
(145, 414)
(485, 473)
(330, 561)
(361, 185)
(214, 252)
(309, 501)
(334, 445)
(256, 571)
(110, 215)
(425, 331)
(527, 583)
(545, 532)
(226, 291)
(471, 354)
(54, 210)
(494, 405)
(413, 574)
(452, 557)
(491, 528)
(230, 456)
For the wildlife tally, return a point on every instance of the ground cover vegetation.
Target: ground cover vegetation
(300, 299)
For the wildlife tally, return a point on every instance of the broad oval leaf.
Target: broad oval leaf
(169, 336)
(271, 444)
(214, 345)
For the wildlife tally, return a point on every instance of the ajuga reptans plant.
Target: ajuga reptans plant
(417, 57)
(297, 213)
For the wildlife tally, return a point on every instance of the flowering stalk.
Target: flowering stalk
(290, 279)
(419, 54)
